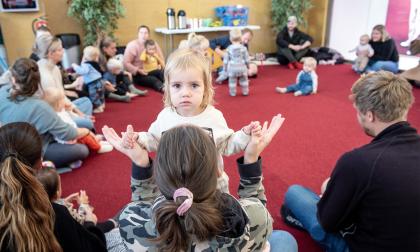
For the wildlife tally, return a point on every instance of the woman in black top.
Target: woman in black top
(28, 221)
(385, 56)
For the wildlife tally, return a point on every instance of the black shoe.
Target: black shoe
(289, 218)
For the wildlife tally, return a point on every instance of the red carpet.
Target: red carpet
(317, 130)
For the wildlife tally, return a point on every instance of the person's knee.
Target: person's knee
(283, 241)
(294, 190)
(282, 59)
(81, 152)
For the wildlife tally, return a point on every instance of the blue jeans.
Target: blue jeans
(96, 93)
(85, 106)
(305, 89)
(386, 65)
(64, 154)
(282, 241)
(303, 204)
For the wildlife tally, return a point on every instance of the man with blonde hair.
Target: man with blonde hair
(372, 201)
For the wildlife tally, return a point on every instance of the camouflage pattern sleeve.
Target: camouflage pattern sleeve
(250, 184)
(143, 186)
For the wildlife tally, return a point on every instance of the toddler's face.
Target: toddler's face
(307, 67)
(115, 70)
(364, 40)
(151, 49)
(186, 89)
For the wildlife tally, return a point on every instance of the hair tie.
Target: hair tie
(10, 154)
(185, 206)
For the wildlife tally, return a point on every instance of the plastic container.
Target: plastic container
(233, 15)
(71, 45)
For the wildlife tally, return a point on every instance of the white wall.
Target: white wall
(352, 18)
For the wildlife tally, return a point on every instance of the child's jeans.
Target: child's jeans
(306, 90)
(96, 92)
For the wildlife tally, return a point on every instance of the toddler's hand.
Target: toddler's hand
(72, 197)
(83, 198)
(247, 129)
(129, 138)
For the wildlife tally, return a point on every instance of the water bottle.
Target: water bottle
(170, 16)
(182, 20)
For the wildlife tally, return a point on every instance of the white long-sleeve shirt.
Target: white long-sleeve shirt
(227, 141)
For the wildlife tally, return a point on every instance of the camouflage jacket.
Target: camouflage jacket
(137, 226)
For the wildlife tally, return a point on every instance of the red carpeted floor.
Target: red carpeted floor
(317, 130)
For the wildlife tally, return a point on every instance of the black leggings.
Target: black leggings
(154, 80)
(64, 154)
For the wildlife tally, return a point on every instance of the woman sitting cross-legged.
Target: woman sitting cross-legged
(180, 209)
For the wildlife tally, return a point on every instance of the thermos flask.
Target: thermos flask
(182, 20)
(170, 15)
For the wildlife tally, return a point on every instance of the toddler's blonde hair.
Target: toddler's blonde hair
(113, 64)
(186, 59)
(53, 96)
(235, 35)
(90, 53)
(310, 61)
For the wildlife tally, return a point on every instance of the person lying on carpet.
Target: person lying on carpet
(28, 220)
(51, 182)
(371, 187)
(188, 98)
(180, 208)
(306, 81)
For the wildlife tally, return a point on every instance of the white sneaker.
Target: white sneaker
(105, 147)
(298, 93)
(405, 43)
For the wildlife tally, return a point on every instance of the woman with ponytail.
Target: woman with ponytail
(176, 205)
(26, 216)
(19, 102)
(28, 221)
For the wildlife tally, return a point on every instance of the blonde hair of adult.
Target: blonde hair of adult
(386, 95)
(235, 35)
(310, 62)
(53, 96)
(185, 59)
(26, 214)
(381, 28)
(114, 64)
(90, 53)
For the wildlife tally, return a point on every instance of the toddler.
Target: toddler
(306, 81)
(236, 63)
(363, 51)
(124, 88)
(57, 100)
(152, 63)
(188, 99)
(51, 181)
(92, 77)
